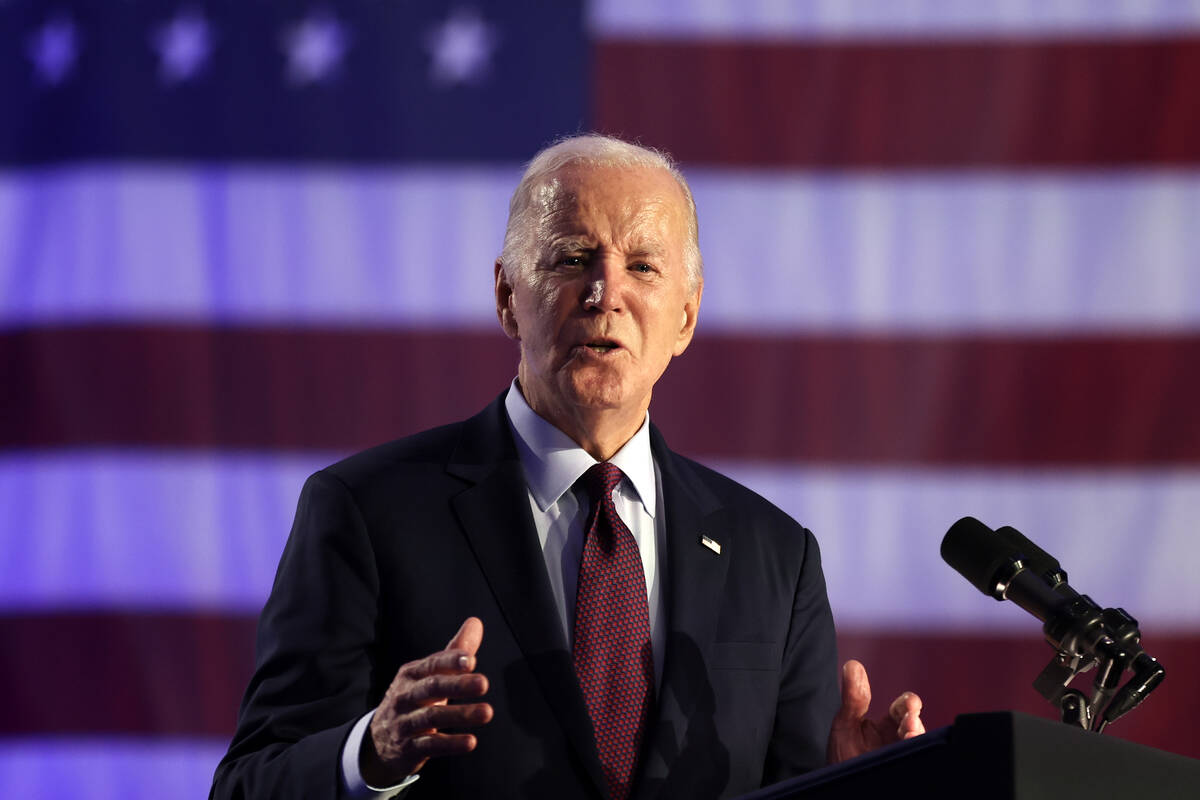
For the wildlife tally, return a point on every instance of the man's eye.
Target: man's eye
(571, 261)
(643, 268)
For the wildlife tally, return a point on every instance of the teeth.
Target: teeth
(601, 348)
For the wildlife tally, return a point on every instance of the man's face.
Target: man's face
(608, 301)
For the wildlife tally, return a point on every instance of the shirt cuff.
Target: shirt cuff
(353, 785)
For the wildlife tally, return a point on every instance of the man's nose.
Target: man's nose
(605, 285)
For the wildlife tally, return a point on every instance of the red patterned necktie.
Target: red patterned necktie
(613, 657)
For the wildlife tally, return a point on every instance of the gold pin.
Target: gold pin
(711, 544)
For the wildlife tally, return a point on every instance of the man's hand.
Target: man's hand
(853, 734)
(406, 729)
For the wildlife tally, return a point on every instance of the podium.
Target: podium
(1001, 756)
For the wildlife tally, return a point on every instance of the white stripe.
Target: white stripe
(783, 251)
(107, 768)
(97, 529)
(949, 251)
(186, 530)
(890, 18)
(251, 244)
(1126, 538)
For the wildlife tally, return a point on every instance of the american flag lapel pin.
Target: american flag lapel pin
(710, 543)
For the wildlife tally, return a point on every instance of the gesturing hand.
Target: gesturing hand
(406, 730)
(853, 734)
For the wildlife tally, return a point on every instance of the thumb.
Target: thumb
(469, 636)
(856, 692)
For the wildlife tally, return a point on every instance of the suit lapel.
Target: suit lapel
(695, 581)
(495, 515)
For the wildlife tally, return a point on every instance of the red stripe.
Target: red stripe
(130, 673)
(890, 400)
(901, 104)
(183, 674)
(242, 387)
(1100, 400)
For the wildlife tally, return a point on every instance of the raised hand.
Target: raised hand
(853, 734)
(407, 729)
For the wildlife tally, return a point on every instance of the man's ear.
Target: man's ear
(691, 312)
(504, 304)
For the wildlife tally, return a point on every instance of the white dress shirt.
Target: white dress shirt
(552, 463)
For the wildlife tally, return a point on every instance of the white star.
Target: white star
(461, 48)
(53, 50)
(183, 46)
(315, 48)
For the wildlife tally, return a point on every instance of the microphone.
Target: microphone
(1035, 558)
(1005, 565)
(978, 553)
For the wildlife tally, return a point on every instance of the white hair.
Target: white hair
(593, 150)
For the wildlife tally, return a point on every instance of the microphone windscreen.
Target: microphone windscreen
(976, 552)
(1037, 559)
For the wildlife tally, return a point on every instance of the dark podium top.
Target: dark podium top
(1002, 756)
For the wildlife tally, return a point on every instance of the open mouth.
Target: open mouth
(601, 346)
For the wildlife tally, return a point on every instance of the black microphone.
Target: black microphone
(1034, 557)
(1005, 565)
(978, 554)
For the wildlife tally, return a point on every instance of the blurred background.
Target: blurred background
(952, 257)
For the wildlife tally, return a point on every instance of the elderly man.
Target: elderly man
(653, 629)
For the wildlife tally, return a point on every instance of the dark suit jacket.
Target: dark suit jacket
(392, 548)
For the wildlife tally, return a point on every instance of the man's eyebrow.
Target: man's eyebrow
(642, 248)
(649, 247)
(572, 243)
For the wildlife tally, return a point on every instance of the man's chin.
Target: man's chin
(594, 391)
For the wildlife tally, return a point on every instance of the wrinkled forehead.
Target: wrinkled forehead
(642, 200)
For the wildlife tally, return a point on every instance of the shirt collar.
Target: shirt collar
(553, 461)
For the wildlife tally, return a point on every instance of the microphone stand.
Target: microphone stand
(1084, 637)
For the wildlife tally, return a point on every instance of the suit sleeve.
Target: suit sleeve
(314, 656)
(808, 692)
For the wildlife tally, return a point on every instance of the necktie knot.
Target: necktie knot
(600, 480)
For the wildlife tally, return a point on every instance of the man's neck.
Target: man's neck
(600, 432)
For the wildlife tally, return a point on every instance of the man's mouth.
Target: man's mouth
(601, 346)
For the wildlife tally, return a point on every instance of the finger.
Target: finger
(907, 703)
(458, 657)
(436, 745)
(856, 693)
(905, 714)
(469, 636)
(444, 662)
(407, 696)
(911, 726)
(440, 717)
(441, 688)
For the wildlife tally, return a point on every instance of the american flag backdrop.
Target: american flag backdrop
(952, 262)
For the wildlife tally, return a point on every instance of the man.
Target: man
(629, 623)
